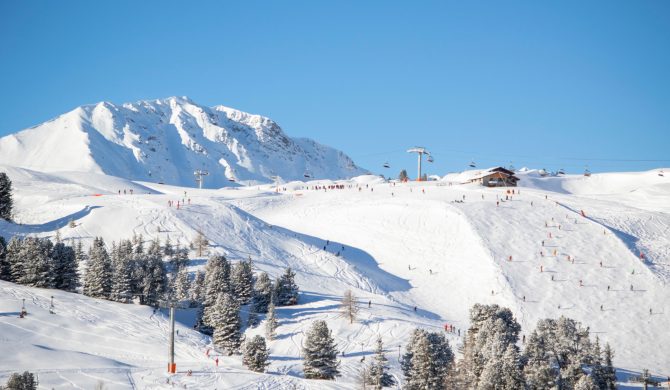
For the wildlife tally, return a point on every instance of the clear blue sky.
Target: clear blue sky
(538, 83)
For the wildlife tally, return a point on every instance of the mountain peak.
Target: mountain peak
(165, 140)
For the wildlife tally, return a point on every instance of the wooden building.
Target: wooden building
(495, 177)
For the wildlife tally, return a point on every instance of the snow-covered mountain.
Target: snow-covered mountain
(165, 140)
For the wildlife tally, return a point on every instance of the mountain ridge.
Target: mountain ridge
(166, 140)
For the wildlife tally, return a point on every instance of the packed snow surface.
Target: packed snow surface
(166, 140)
(434, 246)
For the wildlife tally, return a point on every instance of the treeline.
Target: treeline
(559, 354)
(39, 262)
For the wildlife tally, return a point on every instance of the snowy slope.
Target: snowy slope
(165, 140)
(393, 237)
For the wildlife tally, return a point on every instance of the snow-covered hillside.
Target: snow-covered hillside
(400, 246)
(166, 140)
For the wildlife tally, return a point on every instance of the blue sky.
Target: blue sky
(543, 84)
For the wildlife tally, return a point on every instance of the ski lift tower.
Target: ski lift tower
(420, 151)
(200, 177)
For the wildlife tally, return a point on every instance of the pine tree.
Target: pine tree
(252, 317)
(320, 353)
(197, 292)
(168, 251)
(6, 202)
(179, 259)
(182, 285)
(378, 373)
(427, 361)
(402, 176)
(217, 281)
(14, 260)
(271, 323)
(122, 276)
(349, 307)
(98, 277)
(609, 373)
(226, 322)
(286, 289)
(65, 267)
(262, 293)
(585, 382)
(5, 273)
(80, 257)
(37, 271)
(25, 381)
(155, 276)
(242, 281)
(256, 354)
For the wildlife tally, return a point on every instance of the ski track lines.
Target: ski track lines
(466, 245)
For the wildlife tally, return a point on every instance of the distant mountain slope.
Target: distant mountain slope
(165, 140)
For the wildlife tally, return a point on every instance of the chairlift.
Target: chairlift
(660, 173)
(587, 173)
(561, 172)
(387, 165)
(543, 172)
(307, 174)
(231, 179)
(430, 159)
(472, 164)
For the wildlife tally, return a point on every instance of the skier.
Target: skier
(415, 309)
(531, 203)
(631, 287)
(552, 278)
(601, 307)
(491, 292)
(541, 253)
(524, 298)
(510, 258)
(541, 268)
(650, 311)
(430, 270)
(216, 361)
(601, 263)
(580, 283)
(497, 203)
(523, 339)
(608, 288)
(542, 242)
(369, 304)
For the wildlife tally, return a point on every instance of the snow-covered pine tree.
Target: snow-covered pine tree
(256, 354)
(37, 271)
(570, 375)
(320, 353)
(349, 307)
(597, 372)
(4, 264)
(179, 259)
(225, 319)
(262, 293)
(197, 292)
(406, 360)
(242, 281)
(122, 276)
(217, 281)
(182, 285)
(252, 317)
(285, 289)
(138, 244)
(79, 255)
(155, 275)
(489, 323)
(430, 361)
(65, 267)
(271, 323)
(13, 259)
(98, 277)
(402, 176)
(168, 251)
(378, 375)
(6, 202)
(25, 381)
(585, 382)
(609, 373)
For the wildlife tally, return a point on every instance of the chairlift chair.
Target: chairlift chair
(472, 164)
(387, 165)
(661, 174)
(430, 159)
